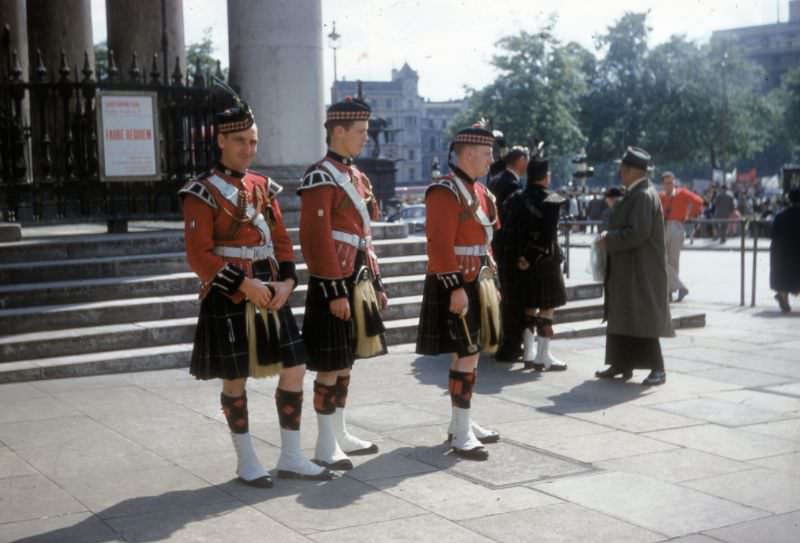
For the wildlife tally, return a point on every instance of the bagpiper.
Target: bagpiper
(460, 311)
(529, 255)
(345, 293)
(237, 244)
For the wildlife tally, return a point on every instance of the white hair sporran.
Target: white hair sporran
(490, 310)
(263, 341)
(366, 316)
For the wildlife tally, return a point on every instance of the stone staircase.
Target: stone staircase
(82, 305)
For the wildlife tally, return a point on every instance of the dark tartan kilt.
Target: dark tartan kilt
(441, 331)
(330, 341)
(541, 286)
(220, 341)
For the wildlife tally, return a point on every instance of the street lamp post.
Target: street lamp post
(334, 43)
(582, 169)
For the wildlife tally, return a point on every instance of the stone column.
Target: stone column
(137, 27)
(53, 26)
(276, 62)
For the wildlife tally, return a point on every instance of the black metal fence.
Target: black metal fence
(49, 164)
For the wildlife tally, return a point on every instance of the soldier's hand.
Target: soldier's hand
(459, 301)
(522, 263)
(256, 292)
(340, 307)
(383, 300)
(282, 291)
(601, 239)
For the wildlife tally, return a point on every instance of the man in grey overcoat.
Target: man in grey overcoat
(636, 293)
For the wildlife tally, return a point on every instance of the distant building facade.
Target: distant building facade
(776, 47)
(416, 127)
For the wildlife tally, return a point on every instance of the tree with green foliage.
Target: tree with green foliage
(536, 96)
(200, 55)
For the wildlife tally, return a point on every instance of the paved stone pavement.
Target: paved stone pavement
(714, 455)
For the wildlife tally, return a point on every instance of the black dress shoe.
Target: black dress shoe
(340, 465)
(261, 482)
(507, 358)
(612, 371)
(372, 449)
(477, 453)
(682, 292)
(783, 302)
(324, 475)
(655, 378)
(553, 367)
(494, 437)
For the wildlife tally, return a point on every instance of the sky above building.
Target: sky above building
(451, 42)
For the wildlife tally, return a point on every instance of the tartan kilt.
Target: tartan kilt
(440, 331)
(541, 286)
(220, 340)
(330, 341)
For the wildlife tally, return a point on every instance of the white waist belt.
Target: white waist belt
(351, 239)
(255, 254)
(471, 250)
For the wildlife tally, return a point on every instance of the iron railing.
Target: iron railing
(49, 167)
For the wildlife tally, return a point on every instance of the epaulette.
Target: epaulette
(316, 177)
(274, 188)
(446, 181)
(197, 188)
(554, 198)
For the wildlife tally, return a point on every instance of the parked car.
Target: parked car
(413, 215)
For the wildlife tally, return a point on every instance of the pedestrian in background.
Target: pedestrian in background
(679, 204)
(784, 252)
(636, 302)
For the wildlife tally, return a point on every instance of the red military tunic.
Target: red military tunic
(209, 221)
(451, 223)
(327, 212)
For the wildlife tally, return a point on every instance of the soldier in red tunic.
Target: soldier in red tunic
(461, 218)
(345, 294)
(237, 244)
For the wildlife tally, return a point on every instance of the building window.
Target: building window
(430, 123)
(411, 121)
(444, 124)
(412, 174)
(411, 154)
(432, 144)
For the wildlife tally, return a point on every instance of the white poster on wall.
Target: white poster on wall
(128, 136)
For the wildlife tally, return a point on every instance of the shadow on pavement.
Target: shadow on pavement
(164, 514)
(777, 314)
(594, 395)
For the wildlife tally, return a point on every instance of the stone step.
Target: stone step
(64, 365)
(134, 243)
(399, 333)
(20, 320)
(680, 320)
(124, 288)
(151, 264)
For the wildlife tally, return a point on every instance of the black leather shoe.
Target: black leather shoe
(508, 358)
(494, 437)
(325, 475)
(553, 367)
(261, 482)
(340, 465)
(478, 453)
(682, 292)
(783, 302)
(655, 378)
(372, 449)
(612, 371)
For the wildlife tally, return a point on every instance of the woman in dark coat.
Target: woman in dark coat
(784, 253)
